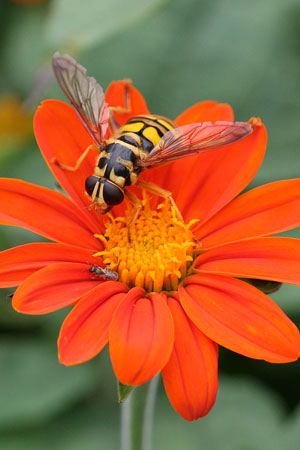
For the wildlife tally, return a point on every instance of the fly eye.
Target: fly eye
(112, 194)
(90, 184)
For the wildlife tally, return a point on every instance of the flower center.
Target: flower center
(155, 252)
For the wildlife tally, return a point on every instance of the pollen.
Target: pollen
(255, 122)
(156, 252)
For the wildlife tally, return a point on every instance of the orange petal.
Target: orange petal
(116, 95)
(191, 374)
(53, 287)
(240, 317)
(45, 212)
(60, 134)
(204, 111)
(203, 184)
(16, 264)
(84, 332)
(268, 209)
(200, 112)
(141, 337)
(270, 258)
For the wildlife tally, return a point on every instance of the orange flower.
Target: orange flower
(179, 293)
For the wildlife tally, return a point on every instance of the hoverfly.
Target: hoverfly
(107, 274)
(143, 142)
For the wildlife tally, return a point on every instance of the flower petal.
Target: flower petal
(84, 332)
(60, 134)
(240, 317)
(16, 264)
(116, 94)
(203, 184)
(204, 111)
(270, 258)
(268, 209)
(45, 212)
(141, 337)
(53, 287)
(191, 374)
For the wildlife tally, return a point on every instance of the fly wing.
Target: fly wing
(85, 95)
(195, 138)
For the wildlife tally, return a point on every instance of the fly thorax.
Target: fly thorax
(116, 163)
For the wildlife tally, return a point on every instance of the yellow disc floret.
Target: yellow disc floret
(155, 252)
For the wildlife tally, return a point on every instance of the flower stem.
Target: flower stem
(137, 417)
(126, 407)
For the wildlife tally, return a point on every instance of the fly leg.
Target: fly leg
(127, 108)
(79, 160)
(114, 126)
(161, 192)
(138, 205)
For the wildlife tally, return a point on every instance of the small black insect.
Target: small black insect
(107, 274)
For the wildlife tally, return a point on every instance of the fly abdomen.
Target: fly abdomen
(129, 138)
(146, 131)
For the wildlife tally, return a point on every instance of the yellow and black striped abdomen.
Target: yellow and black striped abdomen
(117, 162)
(145, 132)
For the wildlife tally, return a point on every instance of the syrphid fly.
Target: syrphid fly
(142, 143)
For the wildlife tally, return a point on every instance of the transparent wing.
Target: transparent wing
(84, 93)
(195, 138)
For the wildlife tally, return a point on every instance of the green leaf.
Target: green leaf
(266, 286)
(88, 426)
(288, 299)
(23, 48)
(34, 386)
(290, 432)
(74, 24)
(246, 416)
(123, 391)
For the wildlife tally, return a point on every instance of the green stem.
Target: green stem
(149, 414)
(126, 443)
(137, 417)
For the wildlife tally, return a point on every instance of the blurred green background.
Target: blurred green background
(177, 52)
